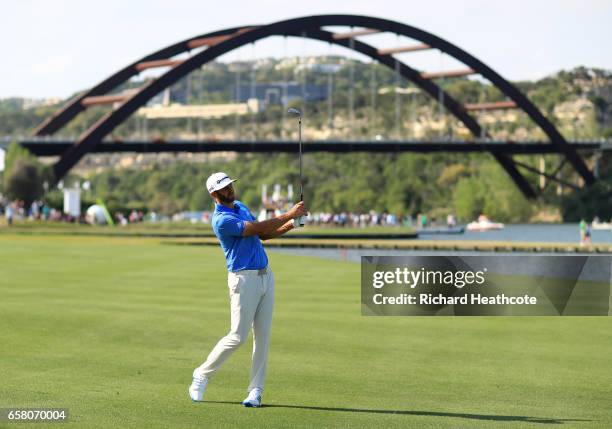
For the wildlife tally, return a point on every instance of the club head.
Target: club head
(293, 111)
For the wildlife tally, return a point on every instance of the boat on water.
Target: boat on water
(601, 225)
(483, 224)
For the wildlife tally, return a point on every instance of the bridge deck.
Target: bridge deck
(42, 147)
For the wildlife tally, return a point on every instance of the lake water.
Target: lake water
(541, 233)
(561, 233)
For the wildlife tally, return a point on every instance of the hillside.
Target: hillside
(577, 101)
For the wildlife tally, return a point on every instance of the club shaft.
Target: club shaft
(300, 157)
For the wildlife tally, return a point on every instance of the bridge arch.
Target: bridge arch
(224, 41)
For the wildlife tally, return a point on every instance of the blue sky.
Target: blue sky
(57, 47)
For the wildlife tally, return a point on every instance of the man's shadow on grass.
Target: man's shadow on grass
(522, 419)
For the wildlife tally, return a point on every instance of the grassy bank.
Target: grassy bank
(175, 229)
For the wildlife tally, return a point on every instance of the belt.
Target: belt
(261, 272)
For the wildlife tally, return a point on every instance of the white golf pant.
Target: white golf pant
(252, 301)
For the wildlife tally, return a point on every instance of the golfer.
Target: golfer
(250, 282)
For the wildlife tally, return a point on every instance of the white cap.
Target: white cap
(218, 181)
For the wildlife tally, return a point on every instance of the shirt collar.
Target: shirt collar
(222, 208)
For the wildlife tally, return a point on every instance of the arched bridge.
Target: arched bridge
(208, 47)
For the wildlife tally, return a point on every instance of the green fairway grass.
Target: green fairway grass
(112, 329)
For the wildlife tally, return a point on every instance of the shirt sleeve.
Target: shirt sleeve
(230, 226)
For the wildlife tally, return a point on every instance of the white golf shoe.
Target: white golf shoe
(253, 399)
(198, 387)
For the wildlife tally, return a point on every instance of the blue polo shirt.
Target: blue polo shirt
(241, 253)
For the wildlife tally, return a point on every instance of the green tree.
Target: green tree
(24, 182)
(468, 199)
(595, 200)
(491, 192)
(24, 176)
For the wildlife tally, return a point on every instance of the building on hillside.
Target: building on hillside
(280, 92)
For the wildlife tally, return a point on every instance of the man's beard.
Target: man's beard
(228, 199)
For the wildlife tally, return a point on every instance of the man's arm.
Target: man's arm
(288, 226)
(269, 227)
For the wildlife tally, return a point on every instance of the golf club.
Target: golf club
(299, 222)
